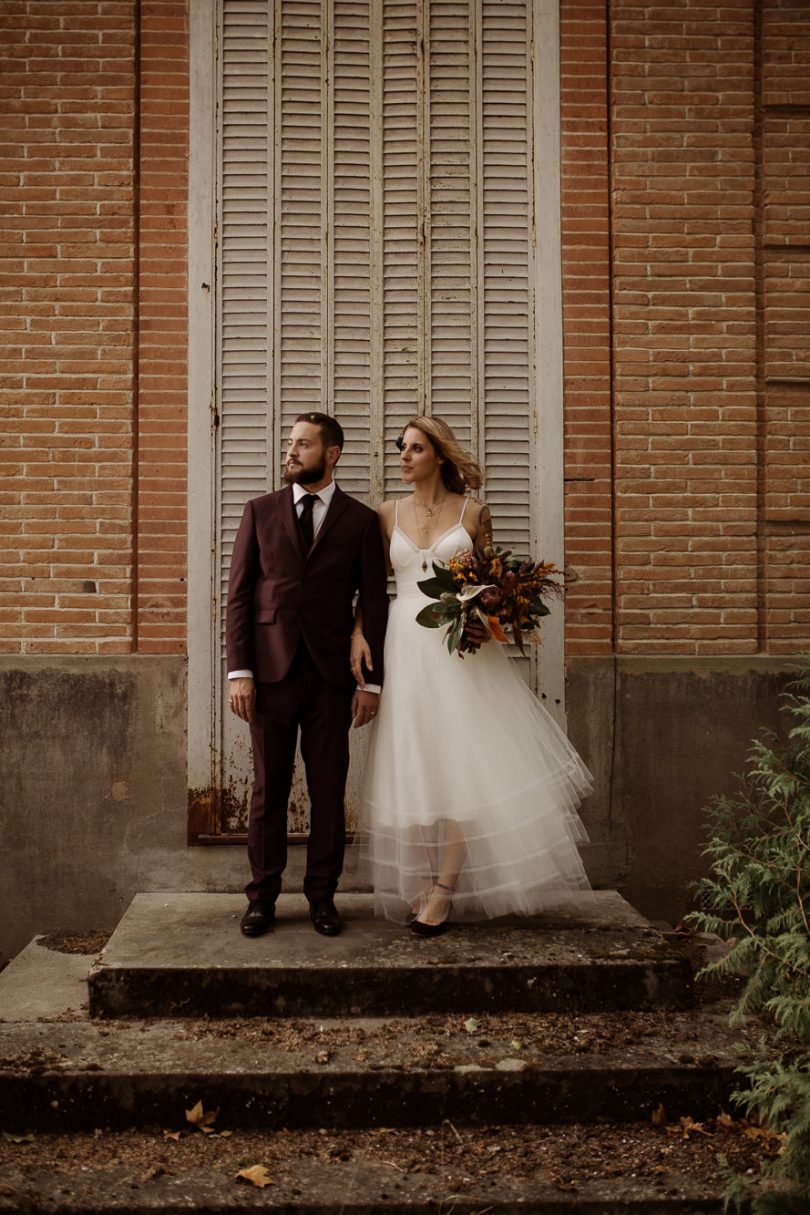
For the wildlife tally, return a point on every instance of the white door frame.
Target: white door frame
(202, 410)
(547, 426)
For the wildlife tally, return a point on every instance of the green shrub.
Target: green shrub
(757, 896)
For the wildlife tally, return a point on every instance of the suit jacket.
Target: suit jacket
(277, 593)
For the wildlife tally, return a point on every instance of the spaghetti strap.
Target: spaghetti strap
(464, 507)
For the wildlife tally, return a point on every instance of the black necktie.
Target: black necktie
(305, 520)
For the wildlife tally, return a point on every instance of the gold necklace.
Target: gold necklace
(428, 507)
(423, 529)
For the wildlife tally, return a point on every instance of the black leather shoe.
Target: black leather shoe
(325, 918)
(258, 919)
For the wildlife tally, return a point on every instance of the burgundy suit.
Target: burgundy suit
(289, 620)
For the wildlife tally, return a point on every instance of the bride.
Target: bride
(468, 806)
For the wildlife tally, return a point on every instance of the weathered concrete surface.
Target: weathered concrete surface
(80, 1075)
(354, 1188)
(682, 729)
(183, 954)
(94, 790)
(93, 756)
(63, 1072)
(41, 983)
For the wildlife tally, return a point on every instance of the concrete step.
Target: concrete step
(183, 955)
(357, 1187)
(355, 1072)
(460, 1088)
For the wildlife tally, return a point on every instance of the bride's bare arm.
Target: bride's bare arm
(483, 531)
(478, 522)
(359, 651)
(386, 514)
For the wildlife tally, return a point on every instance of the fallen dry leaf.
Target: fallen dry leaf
(687, 1127)
(659, 1116)
(172, 1135)
(257, 1175)
(202, 1119)
(750, 1130)
(763, 1132)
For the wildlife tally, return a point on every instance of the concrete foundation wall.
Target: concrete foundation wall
(93, 762)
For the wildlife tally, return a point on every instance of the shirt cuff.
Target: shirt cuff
(371, 687)
(240, 674)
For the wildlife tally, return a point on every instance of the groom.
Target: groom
(300, 556)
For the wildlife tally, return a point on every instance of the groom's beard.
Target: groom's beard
(305, 476)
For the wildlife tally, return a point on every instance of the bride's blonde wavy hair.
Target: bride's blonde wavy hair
(460, 469)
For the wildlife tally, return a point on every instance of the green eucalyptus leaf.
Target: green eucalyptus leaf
(433, 616)
(436, 586)
(454, 635)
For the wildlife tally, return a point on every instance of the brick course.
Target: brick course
(94, 436)
(685, 405)
(162, 328)
(67, 92)
(585, 201)
(783, 145)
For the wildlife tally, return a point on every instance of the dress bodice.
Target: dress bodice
(409, 562)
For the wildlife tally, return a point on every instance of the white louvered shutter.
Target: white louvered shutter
(374, 251)
(244, 448)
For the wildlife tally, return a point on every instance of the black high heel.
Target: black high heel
(421, 929)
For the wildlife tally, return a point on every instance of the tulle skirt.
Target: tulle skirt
(467, 771)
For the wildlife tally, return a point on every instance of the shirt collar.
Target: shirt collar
(326, 494)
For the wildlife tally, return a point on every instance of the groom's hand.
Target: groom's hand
(364, 708)
(242, 698)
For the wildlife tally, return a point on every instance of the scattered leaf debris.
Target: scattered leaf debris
(257, 1175)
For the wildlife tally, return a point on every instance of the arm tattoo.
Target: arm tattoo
(485, 526)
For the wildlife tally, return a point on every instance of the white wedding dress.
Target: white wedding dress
(462, 753)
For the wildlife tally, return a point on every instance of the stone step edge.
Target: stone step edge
(73, 1099)
(586, 985)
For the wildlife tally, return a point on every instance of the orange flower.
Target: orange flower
(496, 630)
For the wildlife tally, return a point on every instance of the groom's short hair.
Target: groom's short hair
(331, 430)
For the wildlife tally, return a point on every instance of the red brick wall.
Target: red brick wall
(162, 328)
(685, 405)
(93, 340)
(586, 322)
(707, 169)
(67, 95)
(783, 227)
(687, 369)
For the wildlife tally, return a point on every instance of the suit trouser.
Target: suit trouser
(322, 711)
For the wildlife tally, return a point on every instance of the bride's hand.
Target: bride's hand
(477, 632)
(360, 653)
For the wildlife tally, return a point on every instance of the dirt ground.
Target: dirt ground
(567, 1157)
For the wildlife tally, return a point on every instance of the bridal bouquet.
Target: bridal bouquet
(492, 587)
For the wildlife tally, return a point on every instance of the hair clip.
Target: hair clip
(400, 442)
